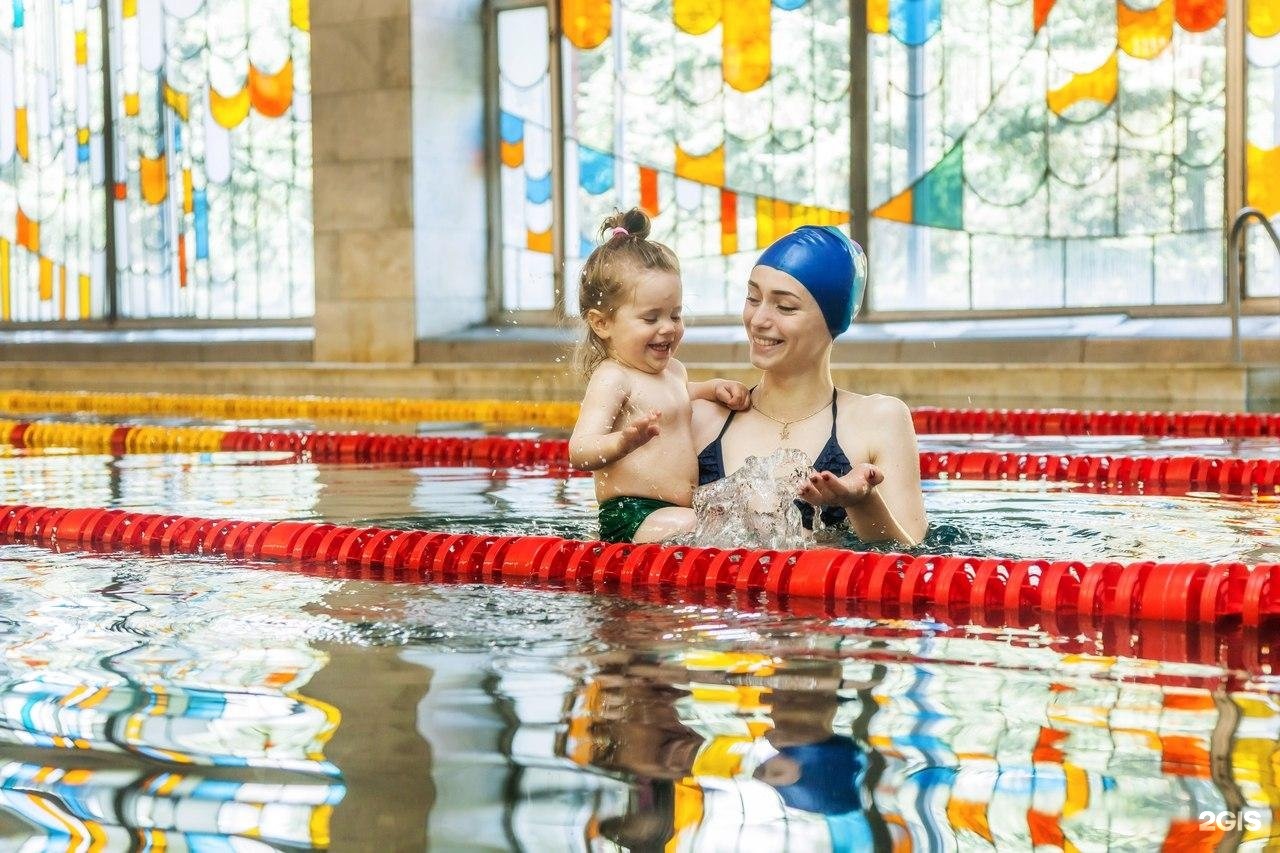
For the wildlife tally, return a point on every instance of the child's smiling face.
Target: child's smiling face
(645, 331)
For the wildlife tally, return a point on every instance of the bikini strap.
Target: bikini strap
(834, 412)
(725, 428)
(729, 420)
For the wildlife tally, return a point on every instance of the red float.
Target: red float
(994, 590)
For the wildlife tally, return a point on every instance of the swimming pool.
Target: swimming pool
(230, 703)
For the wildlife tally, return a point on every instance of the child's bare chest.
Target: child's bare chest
(666, 395)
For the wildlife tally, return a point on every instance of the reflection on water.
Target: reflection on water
(78, 808)
(160, 699)
(1028, 521)
(192, 703)
(615, 725)
(195, 704)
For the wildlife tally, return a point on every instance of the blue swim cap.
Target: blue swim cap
(829, 773)
(830, 266)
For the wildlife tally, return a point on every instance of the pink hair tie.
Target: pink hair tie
(618, 231)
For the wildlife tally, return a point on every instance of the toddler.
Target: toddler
(634, 429)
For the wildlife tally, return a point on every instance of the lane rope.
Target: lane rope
(1188, 593)
(562, 415)
(1152, 475)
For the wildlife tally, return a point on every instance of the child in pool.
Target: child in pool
(634, 429)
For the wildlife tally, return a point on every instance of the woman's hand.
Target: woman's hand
(733, 395)
(826, 489)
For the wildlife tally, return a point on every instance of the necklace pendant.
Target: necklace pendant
(786, 432)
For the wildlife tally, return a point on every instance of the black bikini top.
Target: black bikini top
(831, 458)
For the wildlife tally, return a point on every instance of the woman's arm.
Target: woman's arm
(883, 500)
(595, 443)
(897, 456)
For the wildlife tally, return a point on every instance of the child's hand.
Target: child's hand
(826, 489)
(735, 395)
(638, 433)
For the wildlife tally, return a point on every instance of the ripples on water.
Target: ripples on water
(193, 702)
(190, 701)
(160, 697)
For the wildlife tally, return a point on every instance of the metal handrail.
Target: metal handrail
(1233, 270)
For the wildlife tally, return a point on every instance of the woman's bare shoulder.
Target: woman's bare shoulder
(875, 423)
(708, 417)
(879, 407)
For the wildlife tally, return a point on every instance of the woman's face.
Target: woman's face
(784, 325)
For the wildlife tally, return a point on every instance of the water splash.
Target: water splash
(754, 507)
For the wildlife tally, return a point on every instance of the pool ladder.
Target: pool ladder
(1233, 270)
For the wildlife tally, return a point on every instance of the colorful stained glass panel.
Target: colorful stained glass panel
(1262, 275)
(524, 155)
(212, 111)
(1086, 141)
(52, 167)
(728, 122)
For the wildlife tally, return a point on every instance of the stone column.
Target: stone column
(361, 77)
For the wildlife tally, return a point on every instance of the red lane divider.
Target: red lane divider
(1161, 475)
(992, 591)
(1154, 475)
(326, 447)
(1065, 422)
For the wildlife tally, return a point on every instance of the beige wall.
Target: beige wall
(362, 88)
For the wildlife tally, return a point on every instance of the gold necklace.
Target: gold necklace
(786, 425)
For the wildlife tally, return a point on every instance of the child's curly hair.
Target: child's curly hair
(606, 283)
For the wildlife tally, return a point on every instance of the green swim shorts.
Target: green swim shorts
(622, 516)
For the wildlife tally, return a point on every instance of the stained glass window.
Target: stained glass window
(728, 121)
(1023, 154)
(211, 150)
(212, 190)
(1262, 48)
(1038, 154)
(524, 141)
(52, 167)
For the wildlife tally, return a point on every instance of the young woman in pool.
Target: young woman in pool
(803, 292)
(634, 430)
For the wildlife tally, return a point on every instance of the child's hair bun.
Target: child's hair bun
(635, 220)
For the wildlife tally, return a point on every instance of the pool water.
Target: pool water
(201, 703)
(1013, 520)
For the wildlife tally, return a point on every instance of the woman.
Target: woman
(803, 292)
